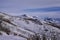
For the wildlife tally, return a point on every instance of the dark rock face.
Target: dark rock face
(0, 33)
(4, 29)
(34, 20)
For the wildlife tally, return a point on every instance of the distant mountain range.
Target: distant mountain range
(52, 19)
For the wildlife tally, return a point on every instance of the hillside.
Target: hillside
(25, 27)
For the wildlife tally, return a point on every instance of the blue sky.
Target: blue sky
(32, 7)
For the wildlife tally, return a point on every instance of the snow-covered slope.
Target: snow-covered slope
(27, 27)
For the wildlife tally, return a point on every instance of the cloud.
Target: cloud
(17, 7)
(25, 4)
(45, 14)
(49, 9)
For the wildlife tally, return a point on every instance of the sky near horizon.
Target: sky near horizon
(32, 7)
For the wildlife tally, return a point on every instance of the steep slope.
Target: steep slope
(28, 27)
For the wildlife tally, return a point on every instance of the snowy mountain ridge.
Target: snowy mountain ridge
(28, 27)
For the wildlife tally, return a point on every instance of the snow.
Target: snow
(11, 38)
(21, 27)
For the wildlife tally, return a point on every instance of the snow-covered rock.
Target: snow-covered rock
(27, 27)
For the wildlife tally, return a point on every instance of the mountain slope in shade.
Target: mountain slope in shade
(28, 27)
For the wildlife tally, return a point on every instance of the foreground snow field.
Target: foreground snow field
(26, 27)
(11, 38)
